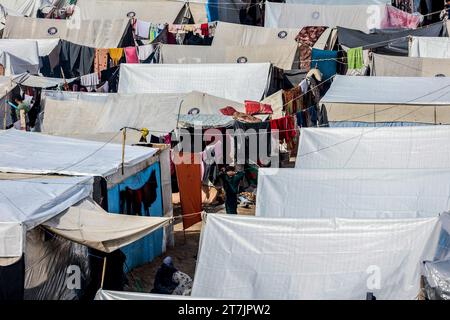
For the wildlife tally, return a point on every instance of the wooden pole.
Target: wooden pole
(23, 120)
(124, 133)
(103, 273)
(5, 107)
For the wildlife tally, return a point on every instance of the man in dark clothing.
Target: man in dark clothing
(231, 180)
(164, 283)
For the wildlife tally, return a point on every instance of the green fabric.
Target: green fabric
(23, 106)
(355, 58)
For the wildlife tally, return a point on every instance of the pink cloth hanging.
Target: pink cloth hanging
(131, 55)
(396, 18)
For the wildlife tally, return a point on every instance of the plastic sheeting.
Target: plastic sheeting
(359, 17)
(152, 11)
(352, 193)
(282, 58)
(28, 80)
(19, 56)
(393, 66)
(35, 153)
(93, 33)
(45, 197)
(421, 147)
(260, 258)
(121, 295)
(238, 82)
(438, 279)
(430, 47)
(340, 2)
(230, 34)
(88, 224)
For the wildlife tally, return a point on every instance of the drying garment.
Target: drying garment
(306, 39)
(131, 55)
(204, 29)
(231, 187)
(90, 80)
(286, 128)
(228, 111)
(355, 58)
(145, 52)
(143, 29)
(116, 54)
(325, 60)
(101, 60)
(189, 175)
(395, 18)
(253, 107)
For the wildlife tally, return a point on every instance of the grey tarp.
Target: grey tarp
(28, 80)
(93, 33)
(395, 66)
(394, 42)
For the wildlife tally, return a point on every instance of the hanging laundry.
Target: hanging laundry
(131, 55)
(325, 60)
(286, 128)
(304, 86)
(116, 54)
(204, 28)
(306, 39)
(355, 58)
(145, 52)
(395, 18)
(101, 60)
(143, 29)
(228, 111)
(90, 81)
(253, 107)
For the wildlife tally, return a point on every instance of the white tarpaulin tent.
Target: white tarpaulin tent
(388, 99)
(18, 56)
(396, 66)
(429, 47)
(231, 34)
(28, 80)
(151, 11)
(26, 202)
(36, 153)
(352, 193)
(359, 17)
(283, 57)
(420, 147)
(93, 33)
(238, 82)
(122, 295)
(340, 2)
(261, 258)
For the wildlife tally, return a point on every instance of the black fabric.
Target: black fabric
(76, 60)
(164, 283)
(292, 78)
(393, 42)
(132, 201)
(196, 40)
(243, 142)
(112, 76)
(12, 281)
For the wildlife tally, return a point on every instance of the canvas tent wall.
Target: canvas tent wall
(430, 47)
(394, 66)
(30, 8)
(93, 33)
(6, 90)
(387, 100)
(18, 56)
(121, 295)
(35, 153)
(150, 11)
(421, 147)
(95, 115)
(236, 82)
(260, 258)
(352, 193)
(359, 17)
(340, 2)
(283, 57)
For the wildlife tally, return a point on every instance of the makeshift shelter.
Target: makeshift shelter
(151, 11)
(30, 8)
(369, 101)
(18, 56)
(99, 116)
(420, 147)
(260, 258)
(238, 82)
(429, 47)
(143, 168)
(360, 17)
(28, 80)
(63, 206)
(283, 57)
(393, 66)
(121, 295)
(230, 34)
(6, 89)
(393, 42)
(352, 193)
(101, 33)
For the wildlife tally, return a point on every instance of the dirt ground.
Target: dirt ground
(184, 253)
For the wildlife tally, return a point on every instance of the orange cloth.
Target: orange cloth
(116, 54)
(189, 177)
(101, 60)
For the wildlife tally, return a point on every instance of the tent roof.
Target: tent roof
(88, 224)
(238, 82)
(429, 47)
(93, 33)
(151, 11)
(352, 193)
(389, 90)
(231, 34)
(19, 56)
(313, 258)
(283, 57)
(421, 147)
(279, 15)
(79, 114)
(28, 80)
(393, 66)
(35, 153)
(340, 2)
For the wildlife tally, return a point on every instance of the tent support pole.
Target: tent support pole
(103, 273)
(124, 133)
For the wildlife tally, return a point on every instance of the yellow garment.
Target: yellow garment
(116, 54)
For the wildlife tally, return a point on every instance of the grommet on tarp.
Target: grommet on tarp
(242, 60)
(52, 31)
(316, 15)
(282, 34)
(194, 111)
(131, 14)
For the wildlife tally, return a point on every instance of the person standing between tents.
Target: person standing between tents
(21, 105)
(231, 180)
